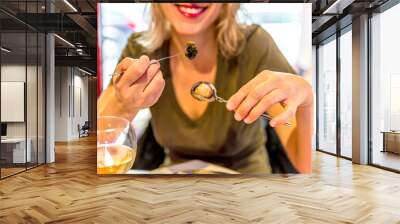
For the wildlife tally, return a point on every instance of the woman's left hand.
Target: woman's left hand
(267, 89)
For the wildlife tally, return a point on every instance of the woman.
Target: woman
(246, 67)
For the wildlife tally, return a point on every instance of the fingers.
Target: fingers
(153, 69)
(145, 79)
(263, 92)
(276, 96)
(154, 89)
(285, 116)
(136, 70)
(254, 97)
(121, 67)
(124, 64)
(235, 100)
(140, 86)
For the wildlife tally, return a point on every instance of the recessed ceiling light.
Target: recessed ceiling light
(84, 71)
(337, 7)
(5, 50)
(64, 40)
(70, 5)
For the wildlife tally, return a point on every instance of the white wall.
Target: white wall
(80, 100)
(71, 94)
(61, 103)
(12, 73)
(33, 127)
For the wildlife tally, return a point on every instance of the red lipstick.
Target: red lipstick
(190, 10)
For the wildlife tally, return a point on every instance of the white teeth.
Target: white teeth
(190, 10)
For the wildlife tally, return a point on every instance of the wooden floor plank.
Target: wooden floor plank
(70, 191)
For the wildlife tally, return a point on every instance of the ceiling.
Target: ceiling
(329, 16)
(72, 20)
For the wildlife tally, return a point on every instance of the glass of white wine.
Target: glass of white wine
(116, 145)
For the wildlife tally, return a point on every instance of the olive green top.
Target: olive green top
(216, 136)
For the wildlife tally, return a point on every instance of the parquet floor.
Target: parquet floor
(9, 171)
(387, 159)
(69, 191)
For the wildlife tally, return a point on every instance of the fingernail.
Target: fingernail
(238, 117)
(143, 58)
(272, 123)
(229, 105)
(247, 120)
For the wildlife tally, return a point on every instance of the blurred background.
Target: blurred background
(289, 25)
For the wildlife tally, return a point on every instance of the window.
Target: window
(327, 96)
(385, 89)
(346, 94)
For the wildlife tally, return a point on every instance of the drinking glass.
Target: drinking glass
(116, 145)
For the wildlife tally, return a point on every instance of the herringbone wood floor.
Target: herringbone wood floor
(69, 191)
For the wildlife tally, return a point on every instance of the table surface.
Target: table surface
(13, 140)
(189, 167)
(391, 132)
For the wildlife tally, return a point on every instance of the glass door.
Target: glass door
(14, 155)
(22, 76)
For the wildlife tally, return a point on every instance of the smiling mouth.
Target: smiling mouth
(191, 11)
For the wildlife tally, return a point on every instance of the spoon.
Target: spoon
(205, 91)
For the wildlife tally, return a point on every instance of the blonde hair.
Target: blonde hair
(230, 37)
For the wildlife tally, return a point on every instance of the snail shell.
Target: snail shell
(203, 91)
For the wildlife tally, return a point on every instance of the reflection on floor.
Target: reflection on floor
(13, 169)
(69, 191)
(10, 171)
(387, 159)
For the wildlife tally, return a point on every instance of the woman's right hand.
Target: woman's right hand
(139, 86)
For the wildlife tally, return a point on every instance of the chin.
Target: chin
(187, 30)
